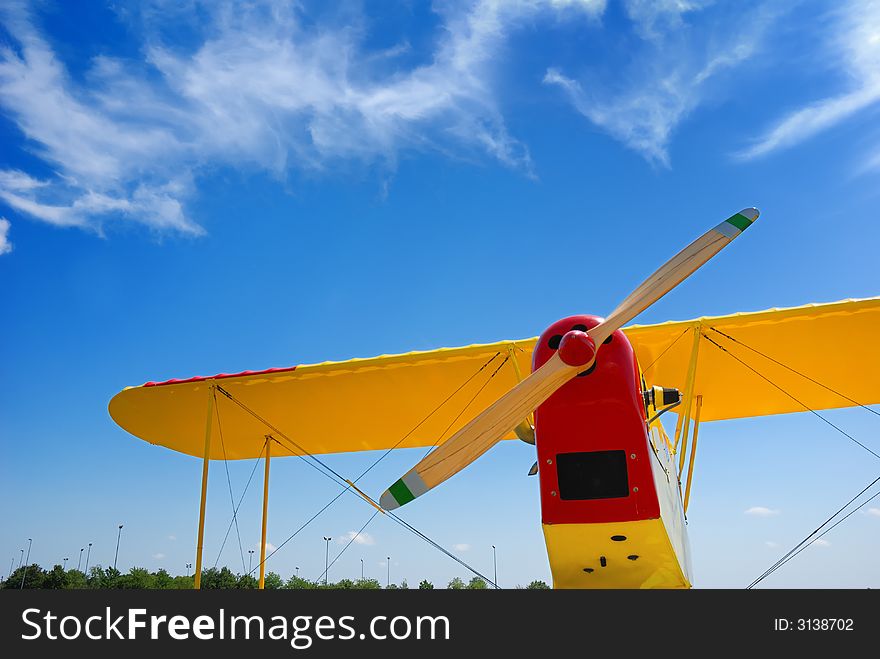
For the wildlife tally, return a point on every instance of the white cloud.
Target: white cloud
(670, 74)
(260, 89)
(361, 538)
(159, 556)
(653, 18)
(462, 546)
(172, 537)
(761, 511)
(269, 547)
(5, 245)
(771, 544)
(874, 512)
(855, 49)
(821, 542)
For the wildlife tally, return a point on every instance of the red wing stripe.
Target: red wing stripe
(220, 376)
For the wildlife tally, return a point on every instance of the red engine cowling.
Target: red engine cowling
(593, 447)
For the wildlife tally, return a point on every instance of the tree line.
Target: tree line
(35, 577)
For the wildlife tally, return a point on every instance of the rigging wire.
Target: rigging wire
(347, 545)
(793, 370)
(235, 510)
(800, 546)
(810, 539)
(228, 482)
(799, 402)
(665, 350)
(333, 475)
(464, 409)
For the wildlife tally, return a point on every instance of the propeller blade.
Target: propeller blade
(576, 352)
(534, 469)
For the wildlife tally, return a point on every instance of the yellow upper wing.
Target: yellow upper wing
(836, 344)
(421, 398)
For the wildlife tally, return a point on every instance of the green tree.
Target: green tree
(76, 579)
(33, 577)
(162, 580)
(299, 583)
(538, 585)
(103, 578)
(223, 578)
(477, 584)
(55, 578)
(367, 584)
(138, 578)
(456, 584)
(247, 582)
(273, 581)
(183, 582)
(424, 584)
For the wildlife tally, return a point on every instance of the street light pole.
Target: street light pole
(250, 560)
(362, 569)
(495, 565)
(26, 561)
(21, 558)
(64, 567)
(118, 536)
(388, 565)
(297, 571)
(188, 568)
(326, 558)
(11, 565)
(88, 555)
(79, 560)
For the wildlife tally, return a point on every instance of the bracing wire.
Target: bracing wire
(798, 401)
(228, 482)
(347, 545)
(803, 544)
(333, 475)
(235, 510)
(797, 372)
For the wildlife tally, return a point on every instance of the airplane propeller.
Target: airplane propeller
(576, 353)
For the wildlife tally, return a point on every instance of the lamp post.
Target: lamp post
(21, 558)
(250, 560)
(118, 536)
(388, 565)
(297, 571)
(495, 565)
(326, 558)
(11, 565)
(88, 555)
(79, 560)
(362, 569)
(64, 567)
(24, 574)
(188, 568)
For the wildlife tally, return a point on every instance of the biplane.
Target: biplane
(589, 393)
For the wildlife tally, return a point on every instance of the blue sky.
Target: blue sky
(190, 188)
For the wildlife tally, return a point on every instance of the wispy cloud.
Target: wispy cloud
(361, 538)
(5, 245)
(668, 77)
(771, 544)
(172, 537)
(821, 542)
(269, 547)
(873, 512)
(853, 46)
(159, 556)
(462, 546)
(264, 87)
(761, 511)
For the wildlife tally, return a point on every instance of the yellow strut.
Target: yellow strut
(682, 428)
(269, 441)
(197, 579)
(687, 491)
